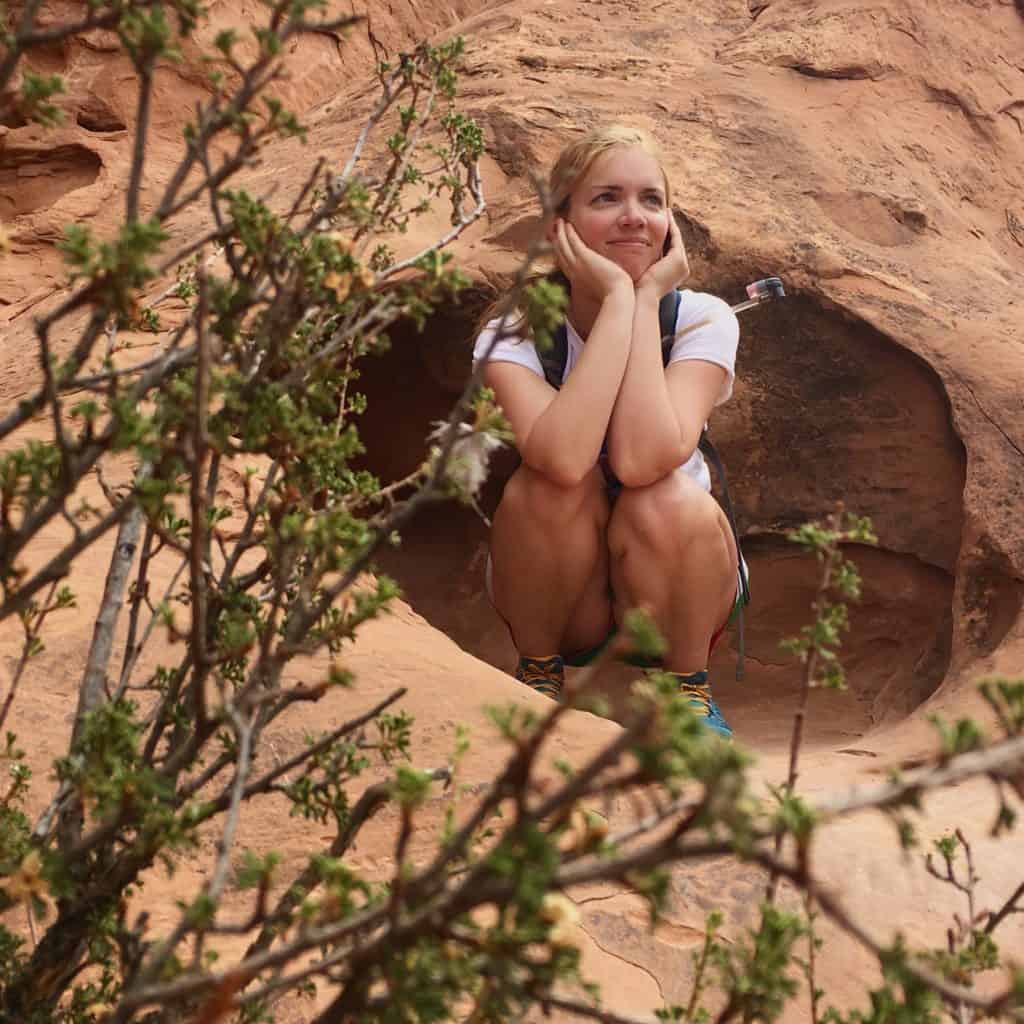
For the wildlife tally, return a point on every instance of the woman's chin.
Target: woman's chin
(635, 264)
(637, 268)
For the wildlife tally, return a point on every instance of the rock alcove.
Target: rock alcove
(826, 408)
(34, 176)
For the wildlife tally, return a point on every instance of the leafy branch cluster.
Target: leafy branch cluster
(224, 603)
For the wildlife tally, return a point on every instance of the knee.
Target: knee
(667, 514)
(531, 495)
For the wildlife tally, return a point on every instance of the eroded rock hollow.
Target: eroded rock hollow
(826, 409)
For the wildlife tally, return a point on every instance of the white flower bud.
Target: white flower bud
(471, 453)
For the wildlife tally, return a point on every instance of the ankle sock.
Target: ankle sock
(698, 678)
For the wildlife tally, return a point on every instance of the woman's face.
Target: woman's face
(618, 208)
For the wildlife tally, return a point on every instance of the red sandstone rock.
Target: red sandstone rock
(871, 154)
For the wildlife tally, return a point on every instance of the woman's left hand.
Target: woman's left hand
(672, 269)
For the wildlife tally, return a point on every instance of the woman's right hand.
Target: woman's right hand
(585, 268)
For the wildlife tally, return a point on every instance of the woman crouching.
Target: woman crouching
(611, 507)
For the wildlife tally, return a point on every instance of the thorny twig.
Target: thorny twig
(459, 900)
(837, 912)
(1009, 907)
(32, 630)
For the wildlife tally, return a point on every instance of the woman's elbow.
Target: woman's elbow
(565, 473)
(568, 476)
(646, 469)
(634, 474)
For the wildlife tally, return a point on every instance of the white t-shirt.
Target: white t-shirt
(706, 328)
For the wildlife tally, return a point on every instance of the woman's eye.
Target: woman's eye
(653, 200)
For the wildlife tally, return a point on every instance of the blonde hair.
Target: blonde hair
(570, 167)
(578, 157)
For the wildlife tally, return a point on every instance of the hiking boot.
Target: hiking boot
(695, 691)
(545, 675)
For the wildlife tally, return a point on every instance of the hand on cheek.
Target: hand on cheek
(672, 268)
(586, 268)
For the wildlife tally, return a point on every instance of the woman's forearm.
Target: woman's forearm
(645, 440)
(565, 441)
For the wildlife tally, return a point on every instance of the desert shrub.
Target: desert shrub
(251, 389)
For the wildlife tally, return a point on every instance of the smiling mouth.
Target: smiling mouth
(631, 243)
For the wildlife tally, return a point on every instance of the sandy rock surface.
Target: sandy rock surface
(869, 153)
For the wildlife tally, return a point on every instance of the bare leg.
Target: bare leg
(672, 552)
(550, 563)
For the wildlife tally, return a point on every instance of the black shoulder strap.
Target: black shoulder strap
(553, 359)
(668, 315)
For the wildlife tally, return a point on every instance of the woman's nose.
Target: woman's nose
(631, 212)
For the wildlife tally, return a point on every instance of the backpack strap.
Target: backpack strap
(668, 317)
(710, 453)
(554, 359)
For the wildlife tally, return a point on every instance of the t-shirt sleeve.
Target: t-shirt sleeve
(707, 329)
(511, 349)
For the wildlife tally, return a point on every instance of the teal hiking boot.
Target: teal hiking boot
(695, 691)
(545, 675)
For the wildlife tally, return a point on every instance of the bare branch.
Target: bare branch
(92, 691)
(169, 360)
(266, 782)
(199, 569)
(243, 766)
(370, 801)
(141, 133)
(303, 192)
(57, 567)
(137, 597)
(464, 222)
(383, 104)
(998, 760)
(31, 632)
(577, 1009)
(52, 397)
(1009, 907)
(838, 913)
(215, 886)
(244, 541)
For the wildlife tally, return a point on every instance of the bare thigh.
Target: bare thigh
(590, 618)
(681, 502)
(593, 617)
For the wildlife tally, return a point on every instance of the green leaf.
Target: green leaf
(410, 787)
(36, 92)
